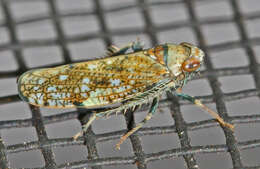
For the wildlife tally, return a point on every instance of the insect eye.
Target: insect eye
(190, 64)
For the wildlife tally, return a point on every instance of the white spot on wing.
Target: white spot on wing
(85, 88)
(76, 90)
(131, 70)
(98, 92)
(39, 97)
(40, 101)
(51, 89)
(121, 89)
(132, 82)
(56, 95)
(63, 77)
(134, 91)
(85, 80)
(41, 81)
(176, 69)
(33, 96)
(115, 82)
(93, 101)
(93, 94)
(35, 87)
(31, 100)
(108, 91)
(152, 56)
(52, 102)
(84, 95)
(91, 66)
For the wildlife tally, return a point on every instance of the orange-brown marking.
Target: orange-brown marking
(190, 64)
(197, 52)
(181, 50)
(159, 53)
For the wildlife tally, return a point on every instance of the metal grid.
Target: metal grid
(140, 159)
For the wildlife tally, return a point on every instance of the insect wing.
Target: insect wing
(93, 83)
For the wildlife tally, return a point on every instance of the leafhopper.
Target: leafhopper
(128, 79)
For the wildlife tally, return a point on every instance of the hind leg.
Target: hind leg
(85, 126)
(203, 107)
(139, 125)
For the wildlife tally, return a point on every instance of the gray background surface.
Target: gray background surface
(79, 29)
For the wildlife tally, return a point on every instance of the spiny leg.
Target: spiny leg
(137, 45)
(139, 125)
(113, 50)
(204, 107)
(99, 115)
(85, 126)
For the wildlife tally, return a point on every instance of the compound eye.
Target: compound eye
(191, 64)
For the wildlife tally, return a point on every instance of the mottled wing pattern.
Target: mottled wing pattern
(93, 83)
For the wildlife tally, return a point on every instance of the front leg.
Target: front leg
(113, 50)
(204, 107)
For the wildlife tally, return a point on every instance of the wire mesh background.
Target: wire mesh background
(45, 33)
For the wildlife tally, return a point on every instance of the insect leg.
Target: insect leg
(139, 125)
(204, 107)
(137, 45)
(85, 126)
(113, 50)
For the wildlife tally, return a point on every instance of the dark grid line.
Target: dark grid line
(254, 67)
(218, 95)
(58, 28)
(105, 34)
(84, 13)
(149, 26)
(211, 20)
(136, 142)
(178, 24)
(167, 154)
(46, 144)
(120, 32)
(12, 34)
(181, 129)
(3, 158)
(61, 142)
(115, 135)
(18, 58)
(38, 123)
(89, 137)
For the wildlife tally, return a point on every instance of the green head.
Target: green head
(183, 60)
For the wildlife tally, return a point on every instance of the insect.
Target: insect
(129, 79)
